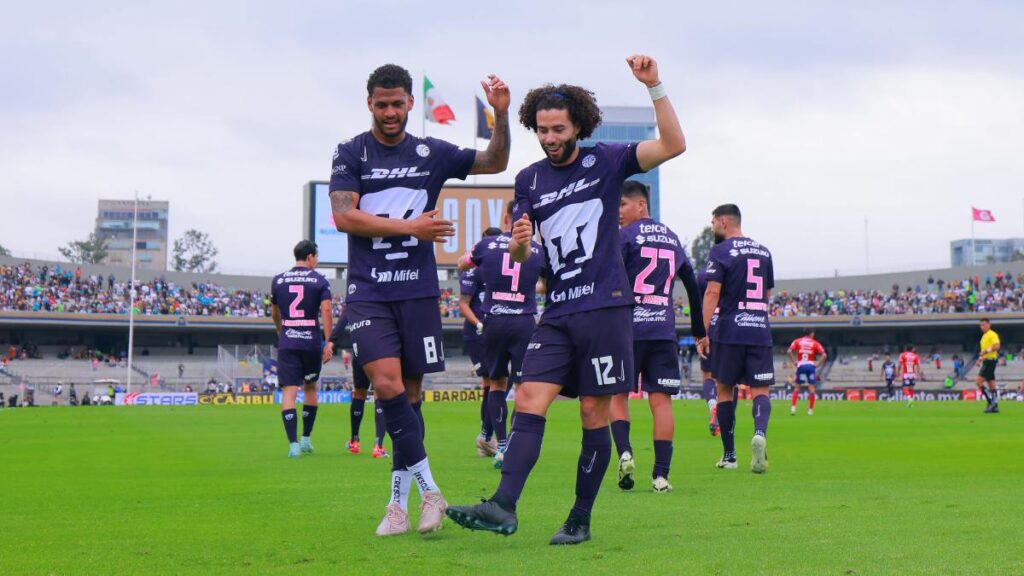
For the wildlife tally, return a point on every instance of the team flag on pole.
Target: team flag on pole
(436, 110)
(484, 120)
(982, 215)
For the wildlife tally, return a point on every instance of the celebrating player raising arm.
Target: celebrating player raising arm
(384, 187)
(583, 345)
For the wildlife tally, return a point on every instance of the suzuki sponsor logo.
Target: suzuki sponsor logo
(386, 174)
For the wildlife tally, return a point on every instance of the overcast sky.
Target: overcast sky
(811, 118)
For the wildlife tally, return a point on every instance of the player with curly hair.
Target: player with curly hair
(583, 345)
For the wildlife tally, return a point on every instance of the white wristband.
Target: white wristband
(657, 91)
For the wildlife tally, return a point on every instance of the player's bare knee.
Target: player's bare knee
(594, 411)
(501, 384)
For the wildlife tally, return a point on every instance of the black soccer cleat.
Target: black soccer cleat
(488, 515)
(574, 531)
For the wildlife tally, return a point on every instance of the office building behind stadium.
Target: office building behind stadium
(986, 251)
(114, 223)
(630, 124)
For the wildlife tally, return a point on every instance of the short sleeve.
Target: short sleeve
(477, 255)
(522, 198)
(457, 161)
(325, 292)
(793, 346)
(467, 284)
(624, 241)
(624, 157)
(346, 168)
(769, 280)
(715, 271)
(273, 293)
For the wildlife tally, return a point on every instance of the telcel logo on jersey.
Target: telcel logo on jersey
(573, 293)
(576, 186)
(395, 275)
(384, 173)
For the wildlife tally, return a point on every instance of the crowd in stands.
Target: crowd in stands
(40, 288)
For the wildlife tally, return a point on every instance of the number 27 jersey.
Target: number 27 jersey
(576, 208)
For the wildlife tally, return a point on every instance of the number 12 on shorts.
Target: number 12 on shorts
(602, 370)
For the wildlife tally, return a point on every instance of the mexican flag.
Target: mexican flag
(436, 110)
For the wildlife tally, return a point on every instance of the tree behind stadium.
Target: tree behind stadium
(92, 250)
(701, 247)
(194, 252)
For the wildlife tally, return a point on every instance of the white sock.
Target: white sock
(424, 479)
(401, 480)
(712, 403)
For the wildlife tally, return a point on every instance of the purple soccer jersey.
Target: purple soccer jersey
(511, 286)
(653, 255)
(402, 181)
(298, 294)
(576, 209)
(471, 284)
(744, 269)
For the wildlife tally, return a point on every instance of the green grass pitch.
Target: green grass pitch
(858, 488)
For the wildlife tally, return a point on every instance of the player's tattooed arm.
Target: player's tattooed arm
(351, 220)
(670, 142)
(495, 158)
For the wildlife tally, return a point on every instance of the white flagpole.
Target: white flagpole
(131, 292)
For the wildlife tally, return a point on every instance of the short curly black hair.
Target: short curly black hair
(579, 102)
(389, 76)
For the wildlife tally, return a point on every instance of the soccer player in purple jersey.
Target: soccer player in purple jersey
(510, 302)
(740, 278)
(583, 345)
(710, 391)
(300, 304)
(360, 391)
(471, 305)
(384, 188)
(654, 258)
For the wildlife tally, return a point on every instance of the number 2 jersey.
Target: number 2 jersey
(510, 287)
(744, 269)
(576, 209)
(654, 256)
(298, 294)
(400, 182)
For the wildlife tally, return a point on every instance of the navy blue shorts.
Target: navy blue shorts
(743, 364)
(505, 342)
(587, 353)
(360, 381)
(409, 330)
(806, 374)
(656, 366)
(298, 367)
(705, 364)
(475, 351)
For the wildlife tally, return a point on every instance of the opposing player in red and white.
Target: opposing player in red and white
(910, 368)
(809, 356)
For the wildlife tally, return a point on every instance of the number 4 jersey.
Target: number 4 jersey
(744, 269)
(298, 294)
(400, 182)
(576, 208)
(511, 287)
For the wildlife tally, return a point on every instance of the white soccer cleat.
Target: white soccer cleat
(486, 448)
(432, 511)
(758, 455)
(395, 522)
(726, 464)
(810, 411)
(792, 410)
(499, 459)
(660, 484)
(627, 469)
